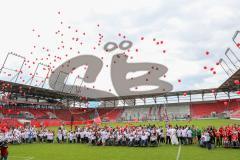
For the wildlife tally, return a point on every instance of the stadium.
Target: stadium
(183, 106)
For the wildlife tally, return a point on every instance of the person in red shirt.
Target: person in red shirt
(229, 134)
(225, 138)
(225, 142)
(4, 151)
(234, 138)
(238, 133)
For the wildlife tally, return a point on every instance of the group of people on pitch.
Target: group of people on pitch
(131, 135)
(27, 134)
(226, 136)
(150, 135)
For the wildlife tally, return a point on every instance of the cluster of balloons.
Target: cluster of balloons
(211, 69)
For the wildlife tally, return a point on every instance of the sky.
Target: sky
(186, 29)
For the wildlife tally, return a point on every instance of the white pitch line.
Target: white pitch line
(179, 151)
(22, 157)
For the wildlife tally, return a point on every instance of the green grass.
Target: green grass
(88, 152)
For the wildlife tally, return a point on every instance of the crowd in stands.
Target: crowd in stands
(150, 135)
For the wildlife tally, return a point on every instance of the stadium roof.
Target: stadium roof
(37, 92)
(229, 83)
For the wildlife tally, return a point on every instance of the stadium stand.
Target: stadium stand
(200, 110)
(18, 115)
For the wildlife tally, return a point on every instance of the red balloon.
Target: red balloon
(238, 45)
(205, 67)
(179, 81)
(185, 93)
(225, 103)
(207, 53)
(236, 82)
(238, 92)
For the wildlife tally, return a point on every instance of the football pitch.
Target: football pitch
(163, 152)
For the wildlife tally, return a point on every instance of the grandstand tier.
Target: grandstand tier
(18, 115)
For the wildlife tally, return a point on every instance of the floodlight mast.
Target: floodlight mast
(234, 38)
(20, 70)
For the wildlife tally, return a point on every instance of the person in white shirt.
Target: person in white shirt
(184, 135)
(26, 134)
(144, 138)
(119, 138)
(59, 136)
(74, 137)
(179, 134)
(153, 139)
(131, 139)
(82, 135)
(137, 139)
(50, 137)
(34, 135)
(189, 136)
(45, 135)
(173, 136)
(70, 137)
(168, 134)
(64, 133)
(93, 138)
(40, 135)
(110, 140)
(104, 136)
